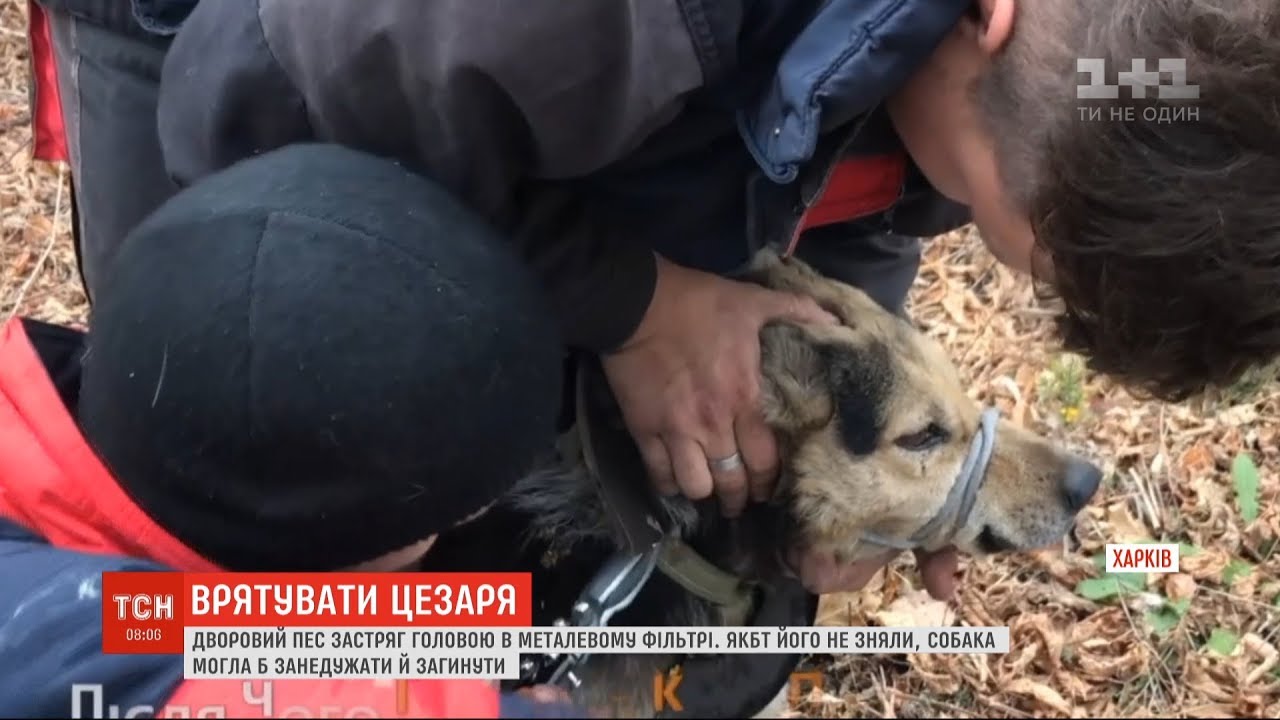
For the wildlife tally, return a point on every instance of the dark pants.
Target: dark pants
(108, 78)
(882, 265)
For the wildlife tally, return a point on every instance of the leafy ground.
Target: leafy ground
(1202, 643)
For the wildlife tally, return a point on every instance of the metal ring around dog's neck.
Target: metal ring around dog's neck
(963, 494)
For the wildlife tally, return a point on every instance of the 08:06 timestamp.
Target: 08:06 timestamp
(143, 634)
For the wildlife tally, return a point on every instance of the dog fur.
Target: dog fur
(873, 425)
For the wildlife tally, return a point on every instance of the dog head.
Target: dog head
(876, 427)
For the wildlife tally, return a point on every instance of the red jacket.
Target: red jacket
(64, 520)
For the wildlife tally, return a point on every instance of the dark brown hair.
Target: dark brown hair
(1157, 219)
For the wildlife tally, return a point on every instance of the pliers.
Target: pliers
(612, 590)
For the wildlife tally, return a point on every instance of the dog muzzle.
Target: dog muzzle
(962, 496)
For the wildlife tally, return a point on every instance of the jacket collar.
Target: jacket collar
(847, 60)
(52, 482)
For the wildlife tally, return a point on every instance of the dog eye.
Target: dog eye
(922, 440)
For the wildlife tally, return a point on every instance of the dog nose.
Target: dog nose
(1080, 482)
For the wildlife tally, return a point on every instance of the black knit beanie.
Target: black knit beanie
(314, 358)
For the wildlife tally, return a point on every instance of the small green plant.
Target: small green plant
(1110, 585)
(1244, 474)
(1062, 384)
(1235, 570)
(1222, 641)
(1166, 617)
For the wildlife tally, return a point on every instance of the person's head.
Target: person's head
(1153, 219)
(315, 360)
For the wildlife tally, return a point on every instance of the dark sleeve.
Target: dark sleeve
(505, 104)
(51, 659)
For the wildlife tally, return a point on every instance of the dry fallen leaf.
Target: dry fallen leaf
(1123, 526)
(1196, 460)
(1179, 587)
(1263, 653)
(1040, 692)
(915, 608)
(1207, 564)
(1019, 659)
(1027, 627)
(1209, 491)
(1073, 685)
(845, 609)
(37, 232)
(1211, 710)
(953, 303)
(941, 682)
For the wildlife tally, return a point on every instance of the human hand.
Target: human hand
(688, 384)
(820, 573)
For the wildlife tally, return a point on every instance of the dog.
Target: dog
(875, 433)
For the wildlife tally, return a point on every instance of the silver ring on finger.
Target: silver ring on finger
(726, 464)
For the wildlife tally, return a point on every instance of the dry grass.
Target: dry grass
(1170, 478)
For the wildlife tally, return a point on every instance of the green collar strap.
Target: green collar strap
(601, 443)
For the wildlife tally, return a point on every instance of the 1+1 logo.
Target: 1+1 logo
(1138, 78)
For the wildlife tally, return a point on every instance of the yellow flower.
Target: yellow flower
(1071, 414)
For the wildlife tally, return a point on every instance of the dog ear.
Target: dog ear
(796, 387)
(811, 381)
(860, 380)
(791, 275)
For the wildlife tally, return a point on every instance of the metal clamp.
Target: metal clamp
(612, 590)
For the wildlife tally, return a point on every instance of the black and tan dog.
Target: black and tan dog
(880, 447)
